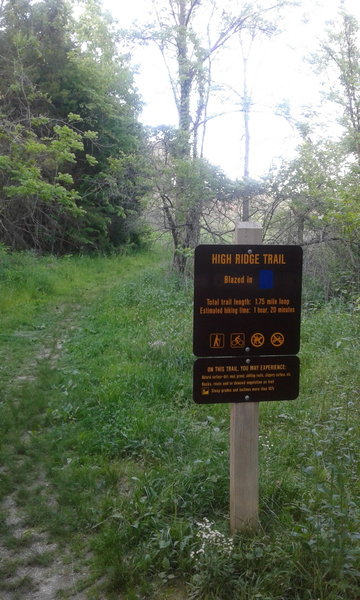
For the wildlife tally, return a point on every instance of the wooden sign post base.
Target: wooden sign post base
(244, 436)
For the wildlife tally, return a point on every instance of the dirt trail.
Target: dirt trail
(32, 567)
(26, 579)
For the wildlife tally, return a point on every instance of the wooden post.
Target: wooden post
(244, 436)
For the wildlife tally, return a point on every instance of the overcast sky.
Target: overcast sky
(278, 72)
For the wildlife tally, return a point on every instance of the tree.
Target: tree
(341, 50)
(37, 188)
(188, 48)
(312, 202)
(314, 198)
(202, 184)
(68, 113)
(306, 187)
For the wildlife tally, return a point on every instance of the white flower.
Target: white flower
(212, 539)
(157, 344)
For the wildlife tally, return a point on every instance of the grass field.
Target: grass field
(106, 459)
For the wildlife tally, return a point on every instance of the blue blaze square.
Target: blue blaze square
(266, 281)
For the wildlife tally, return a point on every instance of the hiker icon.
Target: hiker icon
(217, 340)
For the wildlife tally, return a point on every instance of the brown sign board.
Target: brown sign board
(240, 379)
(247, 300)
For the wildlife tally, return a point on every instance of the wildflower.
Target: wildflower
(212, 539)
(157, 344)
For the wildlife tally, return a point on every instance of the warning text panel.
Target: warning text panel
(241, 379)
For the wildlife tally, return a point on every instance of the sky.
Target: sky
(277, 73)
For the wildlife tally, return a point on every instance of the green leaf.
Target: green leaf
(91, 135)
(74, 117)
(91, 160)
(65, 178)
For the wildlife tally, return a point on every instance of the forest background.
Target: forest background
(80, 173)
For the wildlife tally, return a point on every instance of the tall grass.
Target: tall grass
(141, 473)
(29, 282)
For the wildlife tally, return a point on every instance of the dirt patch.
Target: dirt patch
(32, 567)
(50, 347)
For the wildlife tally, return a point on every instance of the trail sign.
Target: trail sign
(247, 300)
(243, 379)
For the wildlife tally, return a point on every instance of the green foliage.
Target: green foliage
(315, 197)
(188, 193)
(31, 168)
(68, 106)
(141, 473)
(341, 50)
(317, 205)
